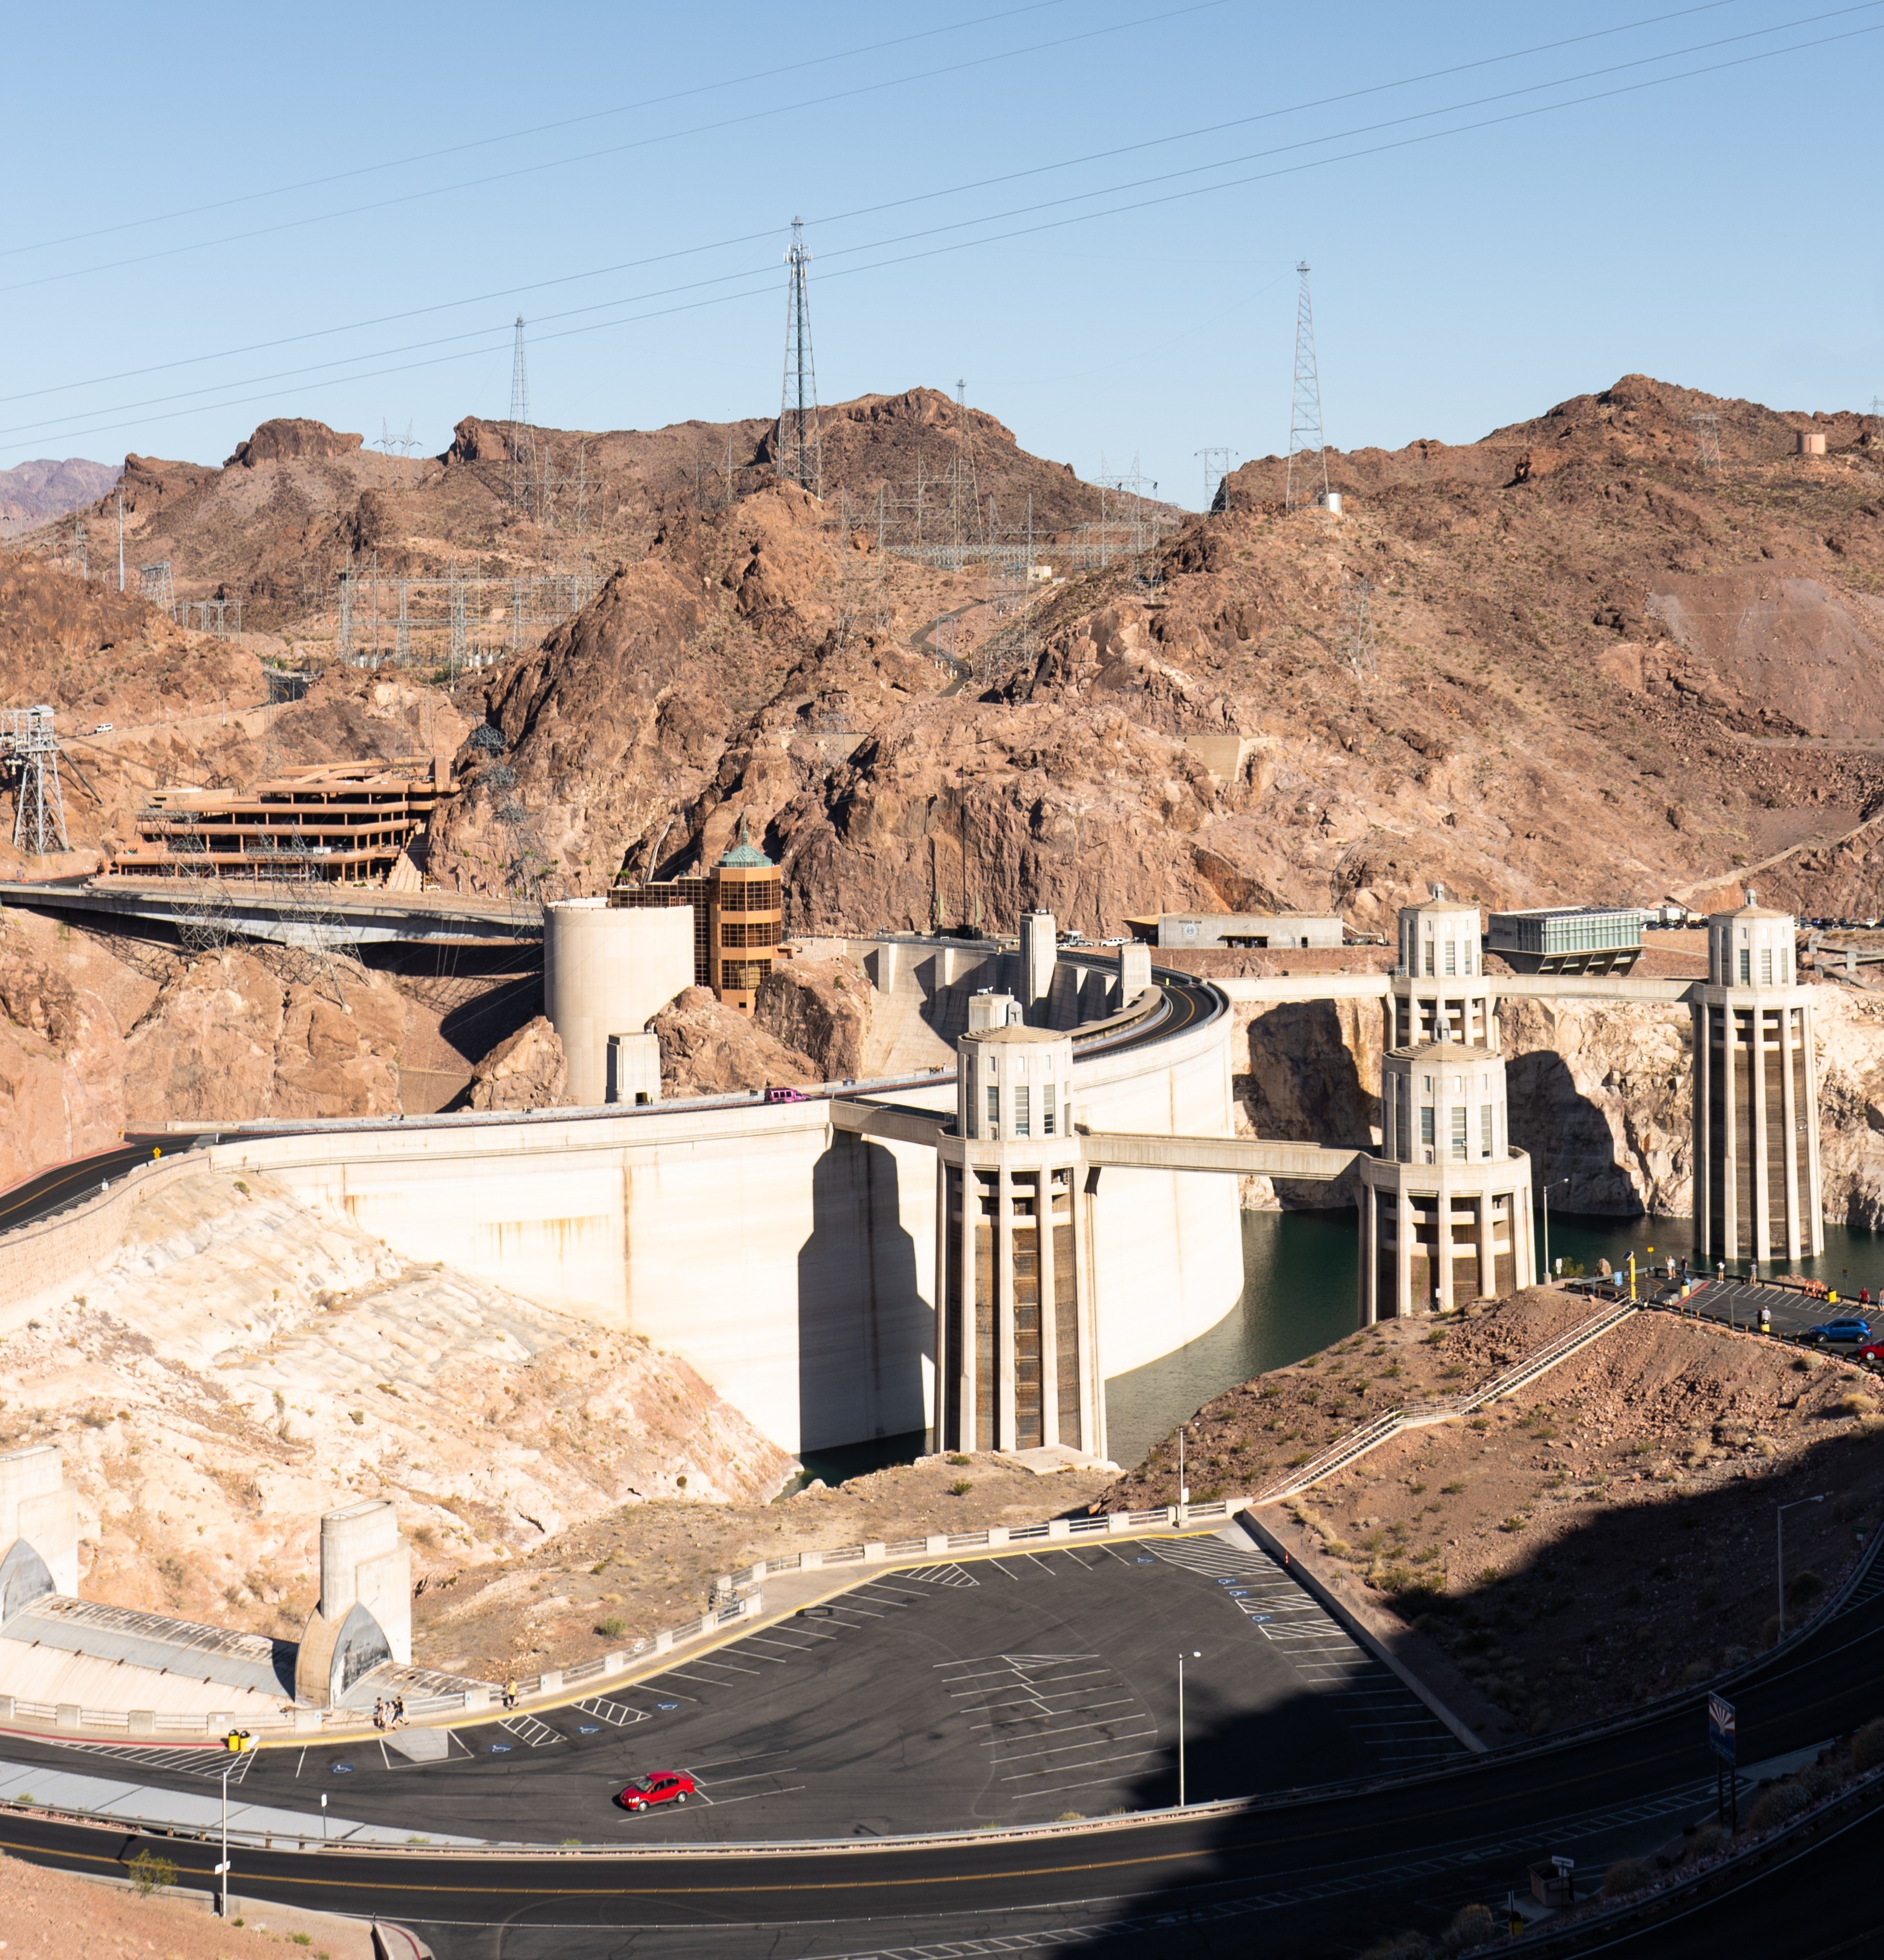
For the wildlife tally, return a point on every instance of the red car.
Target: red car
(1871, 1350)
(658, 1786)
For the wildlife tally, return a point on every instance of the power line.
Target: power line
(1144, 204)
(613, 150)
(537, 129)
(1096, 156)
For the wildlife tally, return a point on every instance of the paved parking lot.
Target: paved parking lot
(1733, 1302)
(997, 1690)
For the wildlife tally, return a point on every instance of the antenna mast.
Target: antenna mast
(1308, 462)
(800, 448)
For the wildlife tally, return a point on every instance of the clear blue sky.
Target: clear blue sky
(1721, 230)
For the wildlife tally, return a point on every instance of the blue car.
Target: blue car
(1838, 1330)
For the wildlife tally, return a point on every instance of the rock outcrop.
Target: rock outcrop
(291, 439)
(708, 1048)
(526, 1070)
(820, 1009)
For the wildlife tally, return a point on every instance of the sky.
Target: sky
(1090, 211)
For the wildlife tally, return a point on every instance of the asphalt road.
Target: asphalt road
(52, 1191)
(1325, 1872)
(994, 1691)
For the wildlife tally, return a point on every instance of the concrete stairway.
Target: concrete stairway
(1350, 1448)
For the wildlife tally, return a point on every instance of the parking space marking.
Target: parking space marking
(1130, 1756)
(943, 1575)
(199, 1762)
(1321, 1653)
(620, 1714)
(530, 1731)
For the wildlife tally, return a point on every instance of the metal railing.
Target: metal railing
(1390, 1422)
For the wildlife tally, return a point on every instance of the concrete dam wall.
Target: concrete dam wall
(791, 1263)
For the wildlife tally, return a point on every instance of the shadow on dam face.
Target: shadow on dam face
(864, 1328)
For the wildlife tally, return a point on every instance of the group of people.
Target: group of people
(389, 1712)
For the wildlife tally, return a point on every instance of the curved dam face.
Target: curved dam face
(792, 1263)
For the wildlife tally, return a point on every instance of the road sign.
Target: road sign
(1721, 1737)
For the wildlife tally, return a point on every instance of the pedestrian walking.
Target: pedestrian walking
(1766, 1320)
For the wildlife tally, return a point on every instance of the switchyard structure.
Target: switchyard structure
(455, 621)
(29, 748)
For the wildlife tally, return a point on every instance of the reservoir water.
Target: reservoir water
(1298, 1295)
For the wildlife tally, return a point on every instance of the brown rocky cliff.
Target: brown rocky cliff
(290, 438)
(820, 1009)
(526, 1070)
(708, 1048)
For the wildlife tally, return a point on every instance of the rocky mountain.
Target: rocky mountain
(298, 503)
(1570, 661)
(1592, 666)
(35, 493)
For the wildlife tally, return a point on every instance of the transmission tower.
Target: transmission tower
(800, 447)
(30, 746)
(311, 931)
(1216, 462)
(1706, 439)
(1357, 634)
(965, 492)
(207, 927)
(1308, 462)
(520, 443)
(154, 583)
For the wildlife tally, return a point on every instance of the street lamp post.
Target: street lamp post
(222, 1870)
(1194, 1655)
(1548, 1187)
(1779, 1532)
(238, 1742)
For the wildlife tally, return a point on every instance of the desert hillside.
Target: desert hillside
(1594, 668)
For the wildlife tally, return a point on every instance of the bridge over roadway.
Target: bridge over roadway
(1248, 1156)
(372, 917)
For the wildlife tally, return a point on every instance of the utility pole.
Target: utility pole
(1214, 471)
(1706, 439)
(121, 537)
(1194, 1655)
(800, 448)
(1308, 462)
